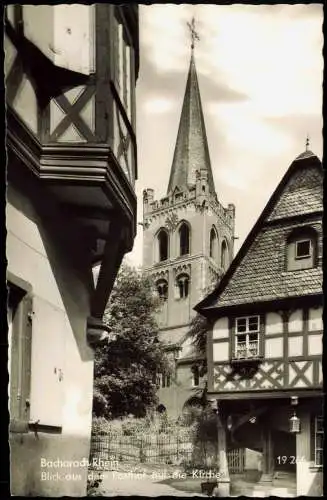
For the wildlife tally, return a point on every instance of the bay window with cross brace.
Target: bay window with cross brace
(247, 341)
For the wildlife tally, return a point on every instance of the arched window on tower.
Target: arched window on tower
(182, 286)
(224, 255)
(213, 244)
(162, 289)
(184, 239)
(162, 245)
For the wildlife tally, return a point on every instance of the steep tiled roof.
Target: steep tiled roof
(262, 276)
(191, 150)
(258, 272)
(302, 194)
(305, 154)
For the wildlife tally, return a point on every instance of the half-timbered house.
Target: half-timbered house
(70, 73)
(265, 346)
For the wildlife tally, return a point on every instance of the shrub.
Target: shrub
(93, 487)
(101, 426)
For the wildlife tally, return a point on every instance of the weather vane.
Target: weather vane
(307, 143)
(194, 35)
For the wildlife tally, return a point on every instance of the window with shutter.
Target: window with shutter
(48, 377)
(20, 311)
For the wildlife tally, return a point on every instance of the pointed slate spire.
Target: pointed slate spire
(191, 150)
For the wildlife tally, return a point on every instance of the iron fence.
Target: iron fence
(151, 448)
(155, 448)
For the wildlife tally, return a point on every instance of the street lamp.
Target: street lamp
(295, 424)
(294, 421)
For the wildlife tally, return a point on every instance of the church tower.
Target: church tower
(188, 239)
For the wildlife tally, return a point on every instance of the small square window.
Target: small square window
(303, 249)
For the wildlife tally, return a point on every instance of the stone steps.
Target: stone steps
(279, 487)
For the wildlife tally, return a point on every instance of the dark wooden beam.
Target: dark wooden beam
(238, 395)
(267, 455)
(104, 126)
(267, 305)
(113, 255)
(295, 219)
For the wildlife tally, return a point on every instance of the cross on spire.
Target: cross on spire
(307, 143)
(194, 35)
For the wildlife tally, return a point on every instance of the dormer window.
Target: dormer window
(301, 249)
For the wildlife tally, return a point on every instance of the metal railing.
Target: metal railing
(152, 448)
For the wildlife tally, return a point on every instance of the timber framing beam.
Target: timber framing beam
(114, 251)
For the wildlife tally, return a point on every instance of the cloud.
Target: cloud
(232, 178)
(260, 70)
(247, 130)
(158, 105)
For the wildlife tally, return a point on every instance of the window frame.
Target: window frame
(307, 256)
(213, 244)
(224, 255)
(247, 332)
(195, 376)
(20, 302)
(316, 448)
(159, 283)
(165, 380)
(184, 227)
(161, 232)
(185, 277)
(297, 235)
(124, 65)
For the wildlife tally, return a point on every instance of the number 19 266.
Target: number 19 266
(291, 459)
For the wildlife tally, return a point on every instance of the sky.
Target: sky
(260, 71)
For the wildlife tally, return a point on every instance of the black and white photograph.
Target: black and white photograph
(164, 248)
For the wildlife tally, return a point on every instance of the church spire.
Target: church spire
(191, 149)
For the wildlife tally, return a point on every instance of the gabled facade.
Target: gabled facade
(265, 347)
(188, 239)
(70, 73)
